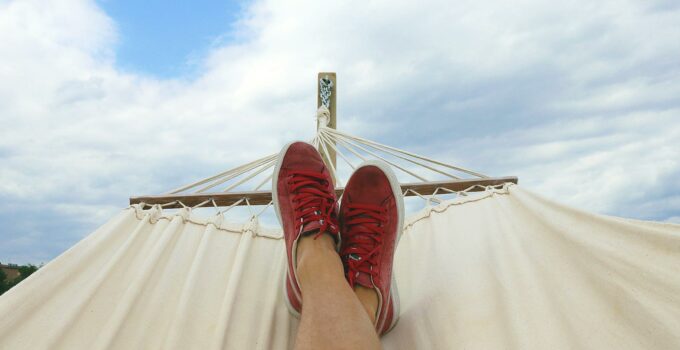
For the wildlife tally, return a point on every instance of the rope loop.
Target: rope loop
(323, 117)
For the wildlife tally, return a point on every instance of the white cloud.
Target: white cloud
(579, 98)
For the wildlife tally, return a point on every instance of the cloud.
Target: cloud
(578, 99)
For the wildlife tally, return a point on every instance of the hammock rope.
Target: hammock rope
(327, 140)
(257, 175)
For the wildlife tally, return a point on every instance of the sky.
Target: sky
(101, 100)
(167, 39)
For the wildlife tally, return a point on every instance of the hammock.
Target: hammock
(500, 269)
(485, 264)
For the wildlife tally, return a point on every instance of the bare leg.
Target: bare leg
(332, 315)
(369, 299)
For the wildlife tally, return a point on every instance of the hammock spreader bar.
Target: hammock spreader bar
(264, 197)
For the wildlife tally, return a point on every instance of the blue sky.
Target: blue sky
(166, 39)
(101, 100)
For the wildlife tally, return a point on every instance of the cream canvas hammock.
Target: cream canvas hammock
(488, 266)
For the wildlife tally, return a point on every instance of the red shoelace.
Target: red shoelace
(312, 201)
(363, 239)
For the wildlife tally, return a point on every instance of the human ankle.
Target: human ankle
(369, 300)
(313, 251)
(313, 244)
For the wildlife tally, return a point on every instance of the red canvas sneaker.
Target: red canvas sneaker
(371, 220)
(304, 197)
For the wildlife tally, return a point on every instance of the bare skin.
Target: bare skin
(369, 299)
(333, 315)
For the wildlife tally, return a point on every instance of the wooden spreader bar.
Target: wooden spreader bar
(264, 197)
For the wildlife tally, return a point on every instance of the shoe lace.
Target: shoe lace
(312, 201)
(364, 237)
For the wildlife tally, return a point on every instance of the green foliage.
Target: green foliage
(27, 270)
(24, 271)
(3, 282)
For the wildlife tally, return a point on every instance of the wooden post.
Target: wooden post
(333, 108)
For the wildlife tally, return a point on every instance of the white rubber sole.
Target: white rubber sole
(275, 178)
(275, 199)
(290, 307)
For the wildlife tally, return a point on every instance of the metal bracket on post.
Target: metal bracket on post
(327, 96)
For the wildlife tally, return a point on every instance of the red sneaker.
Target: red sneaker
(371, 220)
(304, 197)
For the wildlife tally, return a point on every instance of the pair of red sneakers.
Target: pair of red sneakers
(366, 226)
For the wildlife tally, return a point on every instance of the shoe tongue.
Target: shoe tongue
(311, 227)
(314, 227)
(364, 280)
